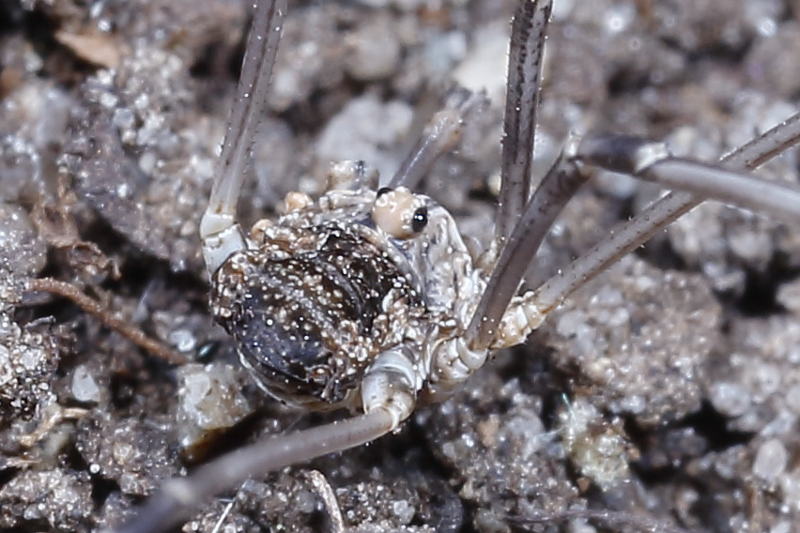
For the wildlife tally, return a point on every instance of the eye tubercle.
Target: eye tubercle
(399, 212)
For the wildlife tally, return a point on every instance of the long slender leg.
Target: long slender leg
(644, 159)
(219, 218)
(559, 185)
(492, 328)
(179, 496)
(441, 134)
(650, 161)
(524, 65)
(527, 312)
(388, 396)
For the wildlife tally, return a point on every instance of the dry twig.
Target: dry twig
(94, 308)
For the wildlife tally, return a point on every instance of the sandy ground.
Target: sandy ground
(663, 397)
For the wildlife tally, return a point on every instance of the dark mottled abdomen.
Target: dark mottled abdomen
(309, 324)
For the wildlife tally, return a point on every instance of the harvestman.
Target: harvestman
(369, 300)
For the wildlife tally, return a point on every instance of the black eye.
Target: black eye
(382, 191)
(420, 219)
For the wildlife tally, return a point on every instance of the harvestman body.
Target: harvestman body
(369, 299)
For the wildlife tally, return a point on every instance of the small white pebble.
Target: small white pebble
(781, 527)
(84, 387)
(403, 510)
(793, 398)
(730, 399)
(770, 461)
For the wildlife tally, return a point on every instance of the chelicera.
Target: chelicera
(368, 299)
